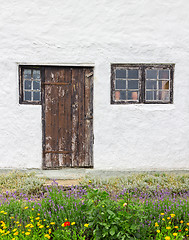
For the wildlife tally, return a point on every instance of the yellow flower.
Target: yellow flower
(125, 204)
(187, 224)
(168, 227)
(47, 236)
(41, 226)
(90, 181)
(27, 233)
(44, 220)
(2, 212)
(163, 219)
(5, 213)
(15, 234)
(37, 218)
(167, 238)
(181, 221)
(175, 226)
(11, 217)
(158, 231)
(38, 214)
(162, 214)
(169, 222)
(13, 238)
(175, 234)
(29, 230)
(168, 218)
(14, 230)
(26, 208)
(172, 215)
(86, 225)
(73, 223)
(50, 231)
(66, 219)
(47, 226)
(52, 223)
(32, 209)
(186, 229)
(156, 224)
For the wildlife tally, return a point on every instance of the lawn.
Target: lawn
(138, 206)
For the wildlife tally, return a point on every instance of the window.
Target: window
(141, 83)
(30, 85)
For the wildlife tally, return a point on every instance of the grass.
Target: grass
(138, 206)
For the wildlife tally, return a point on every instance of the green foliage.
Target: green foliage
(110, 219)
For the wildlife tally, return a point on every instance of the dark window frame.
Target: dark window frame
(21, 84)
(142, 81)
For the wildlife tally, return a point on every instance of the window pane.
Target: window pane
(150, 95)
(27, 84)
(133, 84)
(27, 96)
(36, 96)
(36, 85)
(120, 84)
(164, 85)
(120, 73)
(151, 84)
(133, 74)
(120, 95)
(164, 95)
(36, 74)
(132, 95)
(163, 74)
(27, 73)
(151, 74)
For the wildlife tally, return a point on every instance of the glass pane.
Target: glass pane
(36, 85)
(133, 74)
(27, 73)
(120, 73)
(36, 96)
(36, 74)
(120, 84)
(163, 74)
(164, 95)
(164, 85)
(150, 95)
(27, 84)
(122, 95)
(151, 74)
(151, 84)
(133, 84)
(132, 95)
(27, 96)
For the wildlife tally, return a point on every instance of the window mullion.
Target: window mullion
(142, 90)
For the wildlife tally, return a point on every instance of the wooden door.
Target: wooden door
(67, 103)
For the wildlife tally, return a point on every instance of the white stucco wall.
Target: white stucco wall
(98, 32)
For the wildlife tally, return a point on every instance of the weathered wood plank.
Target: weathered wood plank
(88, 159)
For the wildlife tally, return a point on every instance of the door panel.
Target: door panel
(67, 129)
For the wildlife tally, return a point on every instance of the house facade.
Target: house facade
(96, 84)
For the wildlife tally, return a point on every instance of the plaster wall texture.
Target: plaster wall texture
(98, 32)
